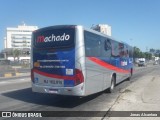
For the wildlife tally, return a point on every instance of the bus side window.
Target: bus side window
(107, 44)
(121, 49)
(92, 45)
(106, 47)
(130, 52)
(115, 49)
(126, 51)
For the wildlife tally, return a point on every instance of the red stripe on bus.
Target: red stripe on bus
(106, 65)
(54, 75)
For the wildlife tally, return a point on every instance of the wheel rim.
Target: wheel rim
(112, 84)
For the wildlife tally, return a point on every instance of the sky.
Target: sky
(136, 22)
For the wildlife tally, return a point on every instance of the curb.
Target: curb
(8, 75)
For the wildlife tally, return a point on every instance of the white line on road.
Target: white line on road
(14, 81)
(6, 91)
(3, 82)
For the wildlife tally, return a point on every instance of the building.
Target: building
(103, 28)
(19, 37)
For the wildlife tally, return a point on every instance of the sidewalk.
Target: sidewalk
(141, 95)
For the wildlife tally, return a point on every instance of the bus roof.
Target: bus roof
(55, 27)
(74, 26)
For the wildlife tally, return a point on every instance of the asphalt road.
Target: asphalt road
(16, 95)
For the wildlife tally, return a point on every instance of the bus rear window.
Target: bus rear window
(54, 38)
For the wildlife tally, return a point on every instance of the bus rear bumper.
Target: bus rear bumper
(73, 91)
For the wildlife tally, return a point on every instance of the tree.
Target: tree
(16, 54)
(139, 54)
(148, 56)
(136, 52)
(152, 50)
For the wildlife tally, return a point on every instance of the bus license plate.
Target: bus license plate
(56, 83)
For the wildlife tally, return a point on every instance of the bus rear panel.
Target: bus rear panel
(54, 68)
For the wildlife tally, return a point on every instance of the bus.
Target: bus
(72, 60)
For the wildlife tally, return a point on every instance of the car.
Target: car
(141, 63)
(155, 63)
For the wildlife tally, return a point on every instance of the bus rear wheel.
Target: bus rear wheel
(131, 72)
(113, 83)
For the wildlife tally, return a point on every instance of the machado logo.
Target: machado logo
(53, 38)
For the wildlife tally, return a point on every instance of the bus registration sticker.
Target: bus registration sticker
(69, 71)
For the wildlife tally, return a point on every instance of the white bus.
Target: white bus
(72, 60)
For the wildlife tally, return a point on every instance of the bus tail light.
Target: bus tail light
(79, 78)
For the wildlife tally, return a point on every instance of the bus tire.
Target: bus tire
(131, 72)
(113, 83)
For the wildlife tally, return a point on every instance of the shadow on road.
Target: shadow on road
(28, 96)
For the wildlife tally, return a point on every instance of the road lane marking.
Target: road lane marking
(15, 80)
(3, 82)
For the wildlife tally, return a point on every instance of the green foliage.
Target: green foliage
(139, 54)
(155, 52)
(148, 55)
(16, 53)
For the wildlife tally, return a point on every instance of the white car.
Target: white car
(141, 63)
(155, 63)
